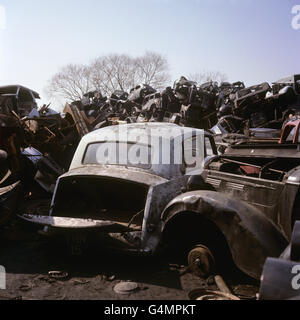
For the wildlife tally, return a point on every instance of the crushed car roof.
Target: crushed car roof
(16, 87)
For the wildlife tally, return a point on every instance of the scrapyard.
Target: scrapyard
(189, 186)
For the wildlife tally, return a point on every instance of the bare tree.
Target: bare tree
(113, 72)
(109, 73)
(123, 72)
(152, 69)
(70, 83)
(206, 76)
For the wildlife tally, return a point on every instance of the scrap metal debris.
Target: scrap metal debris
(38, 144)
(221, 284)
(58, 275)
(126, 287)
(224, 108)
(204, 294)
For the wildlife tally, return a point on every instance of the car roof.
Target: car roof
(159, 129)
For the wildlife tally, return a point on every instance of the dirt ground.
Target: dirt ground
(28, 257)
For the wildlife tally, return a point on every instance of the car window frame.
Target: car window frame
(123, 165)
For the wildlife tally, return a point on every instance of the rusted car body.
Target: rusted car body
(125, 202)
(257, 183)
(264, 173)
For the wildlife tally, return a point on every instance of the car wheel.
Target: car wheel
(201, 261)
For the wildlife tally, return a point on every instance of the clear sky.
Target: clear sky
(249, 40)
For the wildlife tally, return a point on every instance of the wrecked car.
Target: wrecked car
(262, 175)
(144, 206)
(17, 98)
(291, 82)
(124, 200)
(258, 106)
(263, 172)
(138, 93)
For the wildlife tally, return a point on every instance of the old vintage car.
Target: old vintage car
(126, 198)
(257, 179)
(264, 172)
(128, 185)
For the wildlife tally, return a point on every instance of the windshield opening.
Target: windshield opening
(131, 154)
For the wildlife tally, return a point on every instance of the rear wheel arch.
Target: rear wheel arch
(240, 224)
(186, 229)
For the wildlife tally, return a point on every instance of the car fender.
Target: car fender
(250, 235)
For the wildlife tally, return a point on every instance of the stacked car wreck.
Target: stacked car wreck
(238, 201)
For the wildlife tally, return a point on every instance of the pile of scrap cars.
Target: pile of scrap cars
(240, 202)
